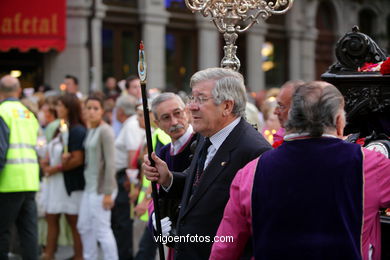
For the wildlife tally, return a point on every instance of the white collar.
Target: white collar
(297, 135)
(179, 143)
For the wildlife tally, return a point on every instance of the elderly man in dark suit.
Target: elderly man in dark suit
(228, 142)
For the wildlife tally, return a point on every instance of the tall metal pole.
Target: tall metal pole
(142, 77)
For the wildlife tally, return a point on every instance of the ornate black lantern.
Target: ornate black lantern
(367, 94)
(367, 100)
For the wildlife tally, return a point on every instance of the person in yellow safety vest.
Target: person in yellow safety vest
(19, 170)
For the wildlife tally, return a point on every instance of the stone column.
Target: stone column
(208, 43)
(97, 51)
(295, 55)
(154, 18)
(255, 79)
(308, 57)
(74, 59)
(294, 34)
(383, 38)
(309, 36)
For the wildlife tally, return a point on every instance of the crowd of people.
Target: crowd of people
(87, 151)
(275, 175)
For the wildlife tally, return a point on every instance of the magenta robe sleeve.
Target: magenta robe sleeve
(376, 169)
(236, 222)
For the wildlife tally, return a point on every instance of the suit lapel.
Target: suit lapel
(190, 178)
(216, 166)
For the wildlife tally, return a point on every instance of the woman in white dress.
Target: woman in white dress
(64, 175)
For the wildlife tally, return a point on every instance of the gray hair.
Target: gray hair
(9, 84)
(127, 103)
(314, 108)
(294, 84)
(164, 97)
(229, 85)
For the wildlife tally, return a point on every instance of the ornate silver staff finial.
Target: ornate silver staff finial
(226, 14)
(141, 63)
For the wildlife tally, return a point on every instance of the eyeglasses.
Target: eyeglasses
(280, 106)
(179, 114)
(198, 100)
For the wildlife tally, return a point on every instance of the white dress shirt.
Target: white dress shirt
(216, 141)
(130, 138)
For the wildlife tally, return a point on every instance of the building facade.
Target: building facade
(102, 39)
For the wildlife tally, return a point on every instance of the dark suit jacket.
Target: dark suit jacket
(203, 213)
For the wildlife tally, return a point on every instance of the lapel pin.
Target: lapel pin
(223, 163)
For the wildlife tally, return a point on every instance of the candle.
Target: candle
(62, 88)
(41, 146)
(64, 134)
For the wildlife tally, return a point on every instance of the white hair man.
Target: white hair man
(228, 142)
(283, 106)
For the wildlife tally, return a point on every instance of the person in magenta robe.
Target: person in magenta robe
(314, 197)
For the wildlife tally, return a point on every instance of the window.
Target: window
(175, 4)
(131, 3)
(108, 52)
(388, 34)
(274, 57)
(129, 54)
(367, 23)
(181, 46)
(28, 66)
(326, 25)
(181, 58)
(120, 50)
(274, 53)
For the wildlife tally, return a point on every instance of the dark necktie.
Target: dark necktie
(201, 162)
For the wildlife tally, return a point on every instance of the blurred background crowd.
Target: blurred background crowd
(119, 106)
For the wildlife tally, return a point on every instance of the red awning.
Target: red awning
(38, 24)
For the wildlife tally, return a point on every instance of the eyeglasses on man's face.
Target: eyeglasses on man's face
(200, 100)
(178, 114)
(280, 106)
